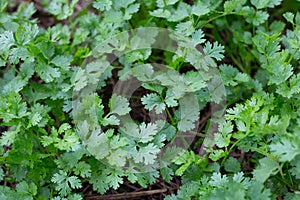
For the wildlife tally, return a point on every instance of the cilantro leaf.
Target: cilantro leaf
(256, 191)
(146, 154)
(102, 5)
(232, 165)
(286, 149)
(266, 168)
(28, 191)
(47, 72)
(152, 101)
(62, 61)
(189, 113)
(6, 40)
(65, 184)
(216, 50)
(200, 9)
(119, 105)
(232, 5)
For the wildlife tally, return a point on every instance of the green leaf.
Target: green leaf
(28, 191)
(123, 3)
(218, 180)
(65, 184)
(290, 88)
(180, 13)
(289, 17)
(198, 36)
(216, 50)
(266, 168)
(12, 107)
(225, 128)
(161, 13)
(257, 191)
(19, 53)
(153, 101)
(110, 120)
(189, 113)
(170, 99)
(256, 17)
(146, 154)
(62, 61)
(3, 5)
(164, 3)
(259, 4)
(232, 165)
(194, 81)
(46, 72)
(46, 48)
(113, 16)
(241, 126)
(118, 158)
(232, 5)
(147, 132)
(6, 41)
(15, 85)
(61, 9)
(143, 72)
(286, 149)
(217, 154)
(102, 5)
(80, 80)
(95, 71)
(185, 28)
(129, 11)
(295, 170)
(143, 133)
(119, 105)
(200, 9)
(26, 10)
(222, 140)
(8, 137)
(114, 179)
(232, 190)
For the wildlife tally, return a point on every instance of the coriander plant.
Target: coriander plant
(199, 98)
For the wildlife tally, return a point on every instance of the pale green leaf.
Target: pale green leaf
(266, 168)
(119, 105)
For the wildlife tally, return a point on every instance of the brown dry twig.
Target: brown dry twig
(126, 195)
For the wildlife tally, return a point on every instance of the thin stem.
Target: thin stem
(261, 152)
(292, 56)
(184, 141)
(291, 179)
(214, 18)
(283, 178)
(238, 64)
(170, 116)
(14, 68)
(233, 145)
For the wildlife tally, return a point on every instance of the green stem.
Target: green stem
(214, 18)
(14, 68)
(292, 56)
(292, 183)
(184, 142)
(261, 152)
(283, 178)
(238, 64)
(232, 146)
(198, 134)
(170, 116)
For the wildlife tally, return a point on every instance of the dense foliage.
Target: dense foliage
(62, 128)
